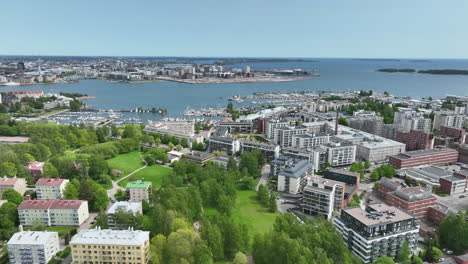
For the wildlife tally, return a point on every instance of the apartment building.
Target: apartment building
(292, 179)
(452, 184)
(224, 144)
(138, 191)
(199, 157)
(309, 140)
(17, 184)
(379, 230)
(416, 139)
(50, 189)
(243, 127)
(284, 136)
(351, 180)
(449, 119)
(53, 212)
(123, 207)
(272, 125)
(322, 196)
(32, 247)
(436, 156)
(270, 151)
(340, 153)
(110, 246)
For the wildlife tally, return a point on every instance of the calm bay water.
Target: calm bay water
(335, 74)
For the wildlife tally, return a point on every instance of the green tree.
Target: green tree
(49, 170)
(120, 195)
(71, 190)
(240, 258)
(404, 254)
(384, 260)
(102, 219)
(12, 196)
(157, 246)
(342, 121)
(232, 164)
(8, 168)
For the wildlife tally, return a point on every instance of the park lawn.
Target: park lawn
(127, 162)
(250, 212)
(152, 174)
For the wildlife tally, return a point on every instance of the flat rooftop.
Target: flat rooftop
(110, 237)
(138, 184)
(31, 237)
(125, 206)
(395, 215)
(14, 139)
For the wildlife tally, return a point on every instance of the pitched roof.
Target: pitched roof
(9, 181)
(50, 204)
(50, 182)
(35, 165)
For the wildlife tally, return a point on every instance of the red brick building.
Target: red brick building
(436, 156)
(438, 212)
(415, 139)
(459, 135)
(416, 200)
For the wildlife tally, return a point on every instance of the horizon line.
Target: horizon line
(235, 57)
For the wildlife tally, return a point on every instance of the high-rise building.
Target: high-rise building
(379, 230)
(32, 247)
(110, 246)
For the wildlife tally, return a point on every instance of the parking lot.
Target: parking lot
(454, 202)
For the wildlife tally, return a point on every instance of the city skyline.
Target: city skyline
(302, 29)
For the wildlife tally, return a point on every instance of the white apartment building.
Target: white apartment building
(110, 246)
(271, 126)
(292, 179)
(53, 212)
(309, 140)
(449, 119)
(322, 196)
(340, 153)
(50, 189)
(138, 190)
(32, 247)
(415, 123)
(17, 184)
(284, 136)
(125, 207)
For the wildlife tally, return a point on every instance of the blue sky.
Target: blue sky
(238, 28)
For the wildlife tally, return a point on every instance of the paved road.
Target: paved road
(115, 184)
(87, 224)
(265, 174)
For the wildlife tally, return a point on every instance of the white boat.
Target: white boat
(11, 84)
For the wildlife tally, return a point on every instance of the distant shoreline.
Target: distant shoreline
(434, 72)
(236, 80)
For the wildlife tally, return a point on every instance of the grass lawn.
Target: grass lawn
(153, 174)
(62, 230)
(250, 212)
(127, 162)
